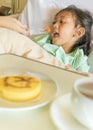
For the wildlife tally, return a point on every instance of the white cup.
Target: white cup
(82, 101)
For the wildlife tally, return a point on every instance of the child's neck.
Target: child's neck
(66, 49)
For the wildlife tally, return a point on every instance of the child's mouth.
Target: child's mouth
(55, 34)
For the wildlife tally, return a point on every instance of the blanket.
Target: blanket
(18, 44)
(14, 43)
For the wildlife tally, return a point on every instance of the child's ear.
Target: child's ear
(80, 32)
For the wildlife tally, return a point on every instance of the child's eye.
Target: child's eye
(54, 22)
(62, 22)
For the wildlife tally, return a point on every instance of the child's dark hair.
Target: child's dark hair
(84, 19)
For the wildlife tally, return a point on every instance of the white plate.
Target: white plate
(48, 91)
(61, 115)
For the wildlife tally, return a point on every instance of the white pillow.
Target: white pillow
(37, 14)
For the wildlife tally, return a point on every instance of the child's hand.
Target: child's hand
(69, 67)
(87, 74)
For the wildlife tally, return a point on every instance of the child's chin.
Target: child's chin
(55, 41)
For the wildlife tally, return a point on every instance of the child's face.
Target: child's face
(63, 29)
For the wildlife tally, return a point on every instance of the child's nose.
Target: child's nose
(56, 25)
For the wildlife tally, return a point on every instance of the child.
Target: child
(70, 37)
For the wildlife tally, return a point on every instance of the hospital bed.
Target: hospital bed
(37, 19)
(38, 118)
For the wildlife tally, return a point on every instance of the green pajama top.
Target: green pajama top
(76, 59)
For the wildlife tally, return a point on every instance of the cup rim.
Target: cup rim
(78, 82)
